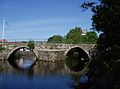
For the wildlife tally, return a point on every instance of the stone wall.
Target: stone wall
(51, 55)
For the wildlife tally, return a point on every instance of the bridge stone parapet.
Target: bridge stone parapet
(64, 46)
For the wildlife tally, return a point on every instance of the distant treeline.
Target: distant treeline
(74, 36)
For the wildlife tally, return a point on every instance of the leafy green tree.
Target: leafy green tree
(106, 19)
(74, 36)
(55, 39)
(31, 44)
(84, 39)
(91, 37)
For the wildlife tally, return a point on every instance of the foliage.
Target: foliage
(84, 39)
(91, 37)
(74, 36)
(87, 5)
(55, 39)
(1, 48)
(106, 19)
(31, 44)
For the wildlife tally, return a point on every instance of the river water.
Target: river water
(43, 75)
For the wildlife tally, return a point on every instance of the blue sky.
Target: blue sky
(41, 19)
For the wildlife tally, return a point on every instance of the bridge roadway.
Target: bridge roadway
(48, 52)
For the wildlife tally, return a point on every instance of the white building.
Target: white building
(84, 32)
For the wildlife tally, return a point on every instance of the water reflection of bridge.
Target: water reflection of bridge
(41, 68)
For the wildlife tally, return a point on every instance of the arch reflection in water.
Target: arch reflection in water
(22, 58)
(24, 62)
(77, 59)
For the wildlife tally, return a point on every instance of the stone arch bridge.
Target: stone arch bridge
(49, 52)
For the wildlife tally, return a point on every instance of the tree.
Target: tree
(74, 36)
(91, 37)
(84, 39)
(31, 44)
(106, 19)
(55, 39)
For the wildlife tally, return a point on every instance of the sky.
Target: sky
(41, 19)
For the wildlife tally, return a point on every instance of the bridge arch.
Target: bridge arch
(79, 49)
(11, 55)
(77, 59)
(18, 48)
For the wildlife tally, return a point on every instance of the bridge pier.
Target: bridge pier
(51, 55)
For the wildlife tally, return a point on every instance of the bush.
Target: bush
(31, 44)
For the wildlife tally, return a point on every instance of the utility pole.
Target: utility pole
(3, 32)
